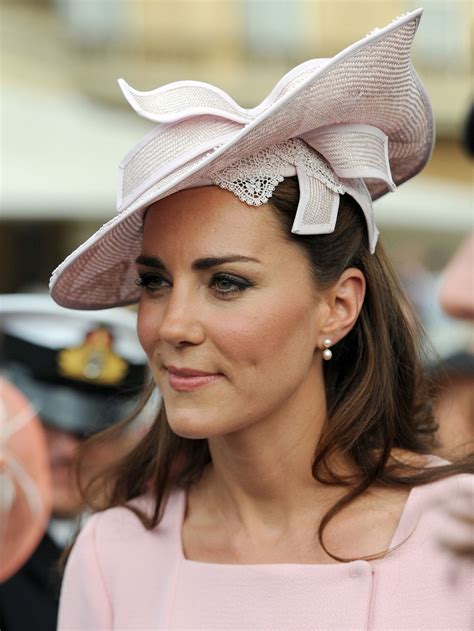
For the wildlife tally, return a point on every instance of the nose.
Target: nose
(181, 324)
(456, 296)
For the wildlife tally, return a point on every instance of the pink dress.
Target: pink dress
(121, 576)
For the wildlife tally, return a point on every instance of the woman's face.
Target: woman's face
(229, 315)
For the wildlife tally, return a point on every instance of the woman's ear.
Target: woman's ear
(345, 300)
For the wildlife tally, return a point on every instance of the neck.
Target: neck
(262, 473)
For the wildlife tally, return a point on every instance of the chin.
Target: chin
(62, 509)
(196, 423)
(62, 512)
(67, 502)
(192, 426)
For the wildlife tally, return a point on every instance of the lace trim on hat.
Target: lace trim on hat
(254, 179)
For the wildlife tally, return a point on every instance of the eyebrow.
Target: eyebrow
(199, 264)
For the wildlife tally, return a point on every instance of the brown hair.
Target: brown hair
(378, 397)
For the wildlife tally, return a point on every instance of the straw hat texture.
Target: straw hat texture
(331, 104)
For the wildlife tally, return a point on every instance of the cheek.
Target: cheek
(147, 325)
(272, 334)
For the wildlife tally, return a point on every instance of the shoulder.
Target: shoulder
(119, 571)
(453, 487)
(114, 548)
(422, 579)
(448, 494)
(114, 523)
(120, 531)
(435, 509)
(120, 521)
(429, 504)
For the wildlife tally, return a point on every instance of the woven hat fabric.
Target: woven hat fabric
(201, 130)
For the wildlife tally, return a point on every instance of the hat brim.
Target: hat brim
(68, 407)
(370, 82)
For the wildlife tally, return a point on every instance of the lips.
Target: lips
(189, 379)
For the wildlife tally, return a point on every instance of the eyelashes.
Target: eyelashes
(151, 281)
(221, 284)
(228, 284)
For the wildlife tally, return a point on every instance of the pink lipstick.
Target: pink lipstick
(188, 379)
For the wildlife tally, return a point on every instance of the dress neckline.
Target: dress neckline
(406, 524)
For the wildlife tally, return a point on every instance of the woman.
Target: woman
(282, 484)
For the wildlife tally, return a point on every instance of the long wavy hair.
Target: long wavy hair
(378, 396)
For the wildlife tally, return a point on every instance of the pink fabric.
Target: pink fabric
(120, 576)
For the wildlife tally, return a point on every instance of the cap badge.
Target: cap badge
(94, 361)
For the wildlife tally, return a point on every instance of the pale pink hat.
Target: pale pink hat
(25, 484)
(363, 115)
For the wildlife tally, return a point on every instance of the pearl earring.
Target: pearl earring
(327, 353)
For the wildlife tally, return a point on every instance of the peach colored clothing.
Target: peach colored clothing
(121, 576)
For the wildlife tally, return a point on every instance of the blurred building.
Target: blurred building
(66, 126)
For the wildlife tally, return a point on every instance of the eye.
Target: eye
(152, 282)
(227, 285)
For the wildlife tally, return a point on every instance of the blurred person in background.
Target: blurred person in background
(282, 484)
(457, 290)
(81, 372)
(457, 299)
(455, 405)
(457, 434)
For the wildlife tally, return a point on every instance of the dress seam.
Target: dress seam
(176, 579)
(373, 590)
(99, 566)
